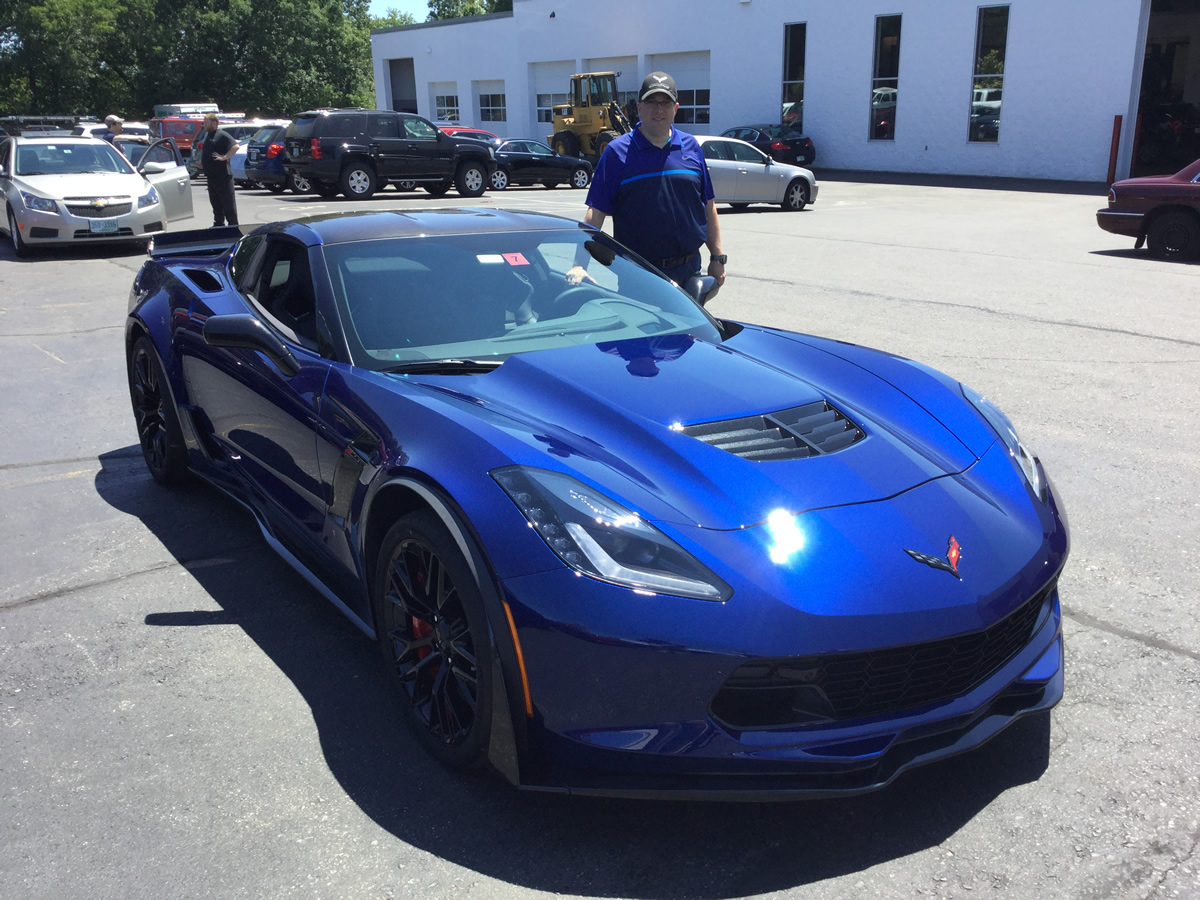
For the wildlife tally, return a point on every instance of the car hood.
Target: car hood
(611, 413)
(59, 187)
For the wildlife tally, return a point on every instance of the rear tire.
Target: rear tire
(795, 198)
(1175, 235)
(358, 181)
(580, 177)
(499, 180)
(298, 184)
(471, 180)
(433, 634)
(566, 143)
(159, 432)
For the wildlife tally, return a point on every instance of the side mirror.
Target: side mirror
(243, 332)
(152, 168)
(700, 288)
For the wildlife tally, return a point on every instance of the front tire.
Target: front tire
(499, 180)
(18, 243)
(795, 198)
(471, 180)
(433, 635)
(1175, 235)
(603, 139)
(159, 432)
(358, 181)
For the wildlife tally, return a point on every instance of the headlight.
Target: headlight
(1024, 457)
(149, 198)
(598, 537)
(32, 201)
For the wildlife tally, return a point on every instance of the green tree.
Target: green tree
(393, 19)
(457, 9)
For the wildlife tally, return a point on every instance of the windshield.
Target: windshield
(489, 296)
(781, 133)
(71, 158)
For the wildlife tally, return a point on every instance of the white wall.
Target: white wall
(1070, 69)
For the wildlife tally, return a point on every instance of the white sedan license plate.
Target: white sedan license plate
(253, 155)
(103, 226)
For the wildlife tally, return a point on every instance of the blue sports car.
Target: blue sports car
(607, 543)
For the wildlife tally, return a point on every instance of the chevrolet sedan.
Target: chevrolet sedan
(72, 190)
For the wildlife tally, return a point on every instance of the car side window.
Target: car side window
(239, 263)
(284, 290)
(5, 156)
(716, 150)
(747, 154)
(419, 129)
(516, 147)
(540, 150)
(383, 125)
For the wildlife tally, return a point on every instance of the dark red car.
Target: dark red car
(1162, 210)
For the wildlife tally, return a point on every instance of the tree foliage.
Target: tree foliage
(276, 57)
(457, 9)
(392, 19)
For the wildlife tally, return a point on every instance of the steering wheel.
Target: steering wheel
(580, 294)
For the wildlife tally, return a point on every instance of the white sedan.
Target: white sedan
(75, 190)
(742, 174)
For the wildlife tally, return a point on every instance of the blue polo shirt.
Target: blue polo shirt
(655, 195)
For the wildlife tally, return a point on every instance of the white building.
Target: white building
(1028, 88)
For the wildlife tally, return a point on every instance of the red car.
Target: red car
(1162, 210)
(467, 131)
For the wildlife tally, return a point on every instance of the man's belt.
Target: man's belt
(676, 261)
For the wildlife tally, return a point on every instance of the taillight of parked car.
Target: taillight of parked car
(273, 150)
(315, 143)
(780, 146)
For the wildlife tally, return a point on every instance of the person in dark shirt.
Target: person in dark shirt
(216, 151)
(654, 182)
(114, 126)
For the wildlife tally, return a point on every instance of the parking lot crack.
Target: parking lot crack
(1148, 640)
(219, 558)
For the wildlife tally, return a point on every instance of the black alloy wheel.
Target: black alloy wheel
(154, 413)
(433, 634)
(1175, 235)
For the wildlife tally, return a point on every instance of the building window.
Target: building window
(693, 108)
(446, 107)
(991, 38)
(794, 37)
(885, 86)
(491, 108)
(546, 104)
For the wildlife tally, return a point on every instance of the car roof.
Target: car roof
(346, 227)
(56, 139)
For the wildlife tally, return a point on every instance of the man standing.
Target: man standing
(216, 151)
(114, 125)
(654, 182)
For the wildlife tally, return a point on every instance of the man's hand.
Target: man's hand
(717, 271)
(578, 275)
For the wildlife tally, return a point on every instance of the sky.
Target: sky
(418, 8)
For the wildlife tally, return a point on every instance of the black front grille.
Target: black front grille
(107, 211)
(774, 693)
(83, 234)
(795, 433)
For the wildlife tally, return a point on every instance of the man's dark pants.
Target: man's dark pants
(680, 274)
(220, 195)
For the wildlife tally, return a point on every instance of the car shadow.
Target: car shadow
(552, 843)
(1142, 254)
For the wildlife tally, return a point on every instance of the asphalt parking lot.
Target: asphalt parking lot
(182, 716)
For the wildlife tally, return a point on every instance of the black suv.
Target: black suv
(358, 151)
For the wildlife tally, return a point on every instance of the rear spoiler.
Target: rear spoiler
(199, 242)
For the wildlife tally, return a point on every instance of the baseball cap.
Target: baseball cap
(658, 83)
(113, 120)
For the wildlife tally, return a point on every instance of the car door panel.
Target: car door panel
(174, 185)
(721, 170)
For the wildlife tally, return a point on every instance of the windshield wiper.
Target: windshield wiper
(446, 366)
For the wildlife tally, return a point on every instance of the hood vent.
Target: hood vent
(809, 430)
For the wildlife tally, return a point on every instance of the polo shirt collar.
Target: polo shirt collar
(644, 144)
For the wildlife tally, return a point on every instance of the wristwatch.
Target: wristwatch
(722, 258)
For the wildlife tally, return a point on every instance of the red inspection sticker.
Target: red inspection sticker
(515, 259)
